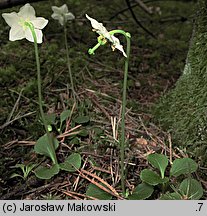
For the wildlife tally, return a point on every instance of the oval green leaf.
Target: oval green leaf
(98, 193)
(141, 192)
(191, 189)
(43, 147)
(47, 173)
(158, 161)
(64, 115)
(72, 163)
(152, 178)
(82, 119)
(171, 196)
(83, 133)
(183, 166)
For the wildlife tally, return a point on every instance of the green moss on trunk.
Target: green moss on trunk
(184, 109)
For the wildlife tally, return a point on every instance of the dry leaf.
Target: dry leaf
(141, 141)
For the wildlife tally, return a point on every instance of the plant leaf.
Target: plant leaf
(98, 131)
(64, 115)
(72, 163)
(43, 147)
(171, 196)
(158, 161)
(13, 175)
(183, 166)
(83, 133)
(191, 189)
(141, 192)
(152, 178)
(82, 119)
(98, 193)
(21, 166)
(30, 167)
(47, 173)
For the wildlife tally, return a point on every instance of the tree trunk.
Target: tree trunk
(10, 3)
(184, 109)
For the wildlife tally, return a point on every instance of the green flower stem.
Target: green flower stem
(50, 140)
(68, 62)
(122, 140)
(122, 144)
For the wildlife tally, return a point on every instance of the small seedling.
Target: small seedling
(26, 170)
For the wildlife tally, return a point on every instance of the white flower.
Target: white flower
(62, 14)
(101, 30)
(19, 24)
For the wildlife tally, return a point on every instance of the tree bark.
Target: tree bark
(10, 3)
(184, 109)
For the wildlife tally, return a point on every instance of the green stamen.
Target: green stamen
(92, 50)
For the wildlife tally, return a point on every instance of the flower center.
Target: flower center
(102, 40)
(25, 23)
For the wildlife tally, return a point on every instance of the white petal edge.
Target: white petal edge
(120, 48)
(39, 35)
(99, 28)
(56, 10)
(69, 16)
(95, 24)
(27, 12)
(39, 22)
(16, 33)
(64, 9)
(116, 44)
(11, 18)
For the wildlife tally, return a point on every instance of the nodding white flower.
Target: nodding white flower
(62, 14)
(19, 24)
(101, 30)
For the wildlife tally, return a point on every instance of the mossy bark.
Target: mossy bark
(184, 109)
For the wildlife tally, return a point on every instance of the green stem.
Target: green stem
(50, 140)
(122, 144)
(68, 63)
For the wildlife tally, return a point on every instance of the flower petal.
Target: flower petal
(39, 35)
(120, 48)
(11, 18)
(56, 10)
(60, 10)
(116, 44)
(29, 37)
(39, 22)
(27, 12)
(98, 27)
(58, 17)
(16, 33)
(64, 9)
(69, 16)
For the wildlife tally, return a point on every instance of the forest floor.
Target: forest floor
(155, 65)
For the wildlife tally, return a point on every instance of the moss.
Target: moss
(31, 88)
(7, 75)
(184, 109)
